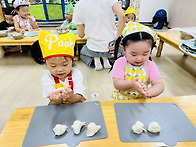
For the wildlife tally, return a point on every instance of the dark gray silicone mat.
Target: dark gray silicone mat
(174, 123)
(40, 130)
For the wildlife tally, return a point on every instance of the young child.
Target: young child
(133, 73)
(62, 83)
(130, 14)
(23, 21)
(67, 24)
(8, 24)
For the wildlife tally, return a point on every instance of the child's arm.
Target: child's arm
(128, 84)
(156, 88)
(16, 25)
(33, 22)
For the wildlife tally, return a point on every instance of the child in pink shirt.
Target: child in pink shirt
(23, 21)
(133, 73)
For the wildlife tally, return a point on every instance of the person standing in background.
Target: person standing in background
(96, 20)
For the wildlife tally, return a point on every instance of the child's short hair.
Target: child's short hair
(10, 11)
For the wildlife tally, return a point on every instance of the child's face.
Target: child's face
(23, 12)
(59, 66)
(9, 19)
(130, 17)
(137, 53)
(68, 17)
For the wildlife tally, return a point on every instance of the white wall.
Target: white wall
(183, 13)
(149, 7)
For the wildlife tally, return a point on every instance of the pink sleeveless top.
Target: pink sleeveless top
(25, 23)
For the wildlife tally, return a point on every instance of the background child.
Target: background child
(62, 83)
(133, 73)
(8, 24)
(130, 14)
(96, 19)
(23, 21)
(67, 24)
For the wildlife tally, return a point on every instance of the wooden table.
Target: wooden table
(4, 41)
(15, 129)
(164, 37)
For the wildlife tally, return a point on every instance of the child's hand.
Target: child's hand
(55, 97)
(65, 27)
(144, 88)
(139, 86)
(111, 46)
(67, 93)
(10, 28)
(29, 17)
(22, 30)
(59, 28)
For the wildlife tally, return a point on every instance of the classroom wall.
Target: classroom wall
(149, 7)
(183, 14)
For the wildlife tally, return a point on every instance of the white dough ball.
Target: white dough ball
(77, 125)
(138, 127)
(154, 127)
(92, 129)
(59, 129)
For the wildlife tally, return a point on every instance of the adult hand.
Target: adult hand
(111, 49)
(111, 46)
